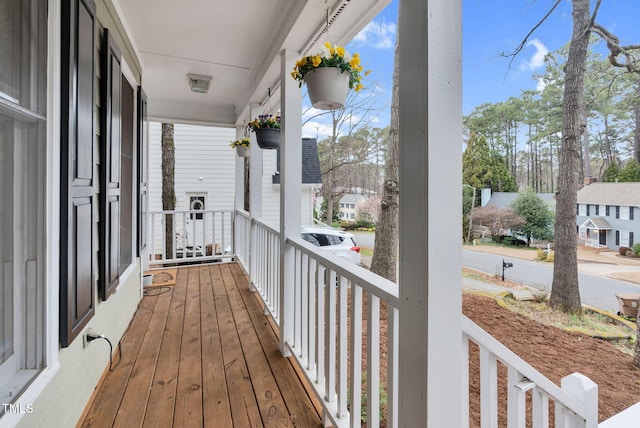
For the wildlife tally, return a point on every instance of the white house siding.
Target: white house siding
(206, 164)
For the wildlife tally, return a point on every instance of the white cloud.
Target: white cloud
(380, 35)
(537, 60)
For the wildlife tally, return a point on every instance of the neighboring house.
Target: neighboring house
(502, 200)
(607, 214)
(348, 206)
(205, 173)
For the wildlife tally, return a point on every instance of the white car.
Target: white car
(335, 241)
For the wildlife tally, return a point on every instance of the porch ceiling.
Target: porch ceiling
(238, 44)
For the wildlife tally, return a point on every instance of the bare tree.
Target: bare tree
(496, 221)
(168, 183)
(385, 254)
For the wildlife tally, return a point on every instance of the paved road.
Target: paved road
(594, 290)
(364, 239)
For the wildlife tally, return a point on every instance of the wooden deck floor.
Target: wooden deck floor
(202, 354)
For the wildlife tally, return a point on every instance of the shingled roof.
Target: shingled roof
(310, 163)
(623, 194)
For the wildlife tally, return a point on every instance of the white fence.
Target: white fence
(200, 235)
(336, 316)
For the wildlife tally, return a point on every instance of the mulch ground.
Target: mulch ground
(555, 353)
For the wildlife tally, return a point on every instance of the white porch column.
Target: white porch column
(290, 191)
(239, 191)
(255, 191)
(430, 113)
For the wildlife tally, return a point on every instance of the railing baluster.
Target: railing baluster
(393, 347)
(313, 286)
(488, 389)
(342, 348)
(330, 339)
(373, 361)
(540, 412)
(320, 325)
(304, 309)
(465, 381)
(355, 383)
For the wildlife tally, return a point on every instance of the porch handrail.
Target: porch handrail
(331, 292)
(198, 235)
(337, 304)
(576, 401)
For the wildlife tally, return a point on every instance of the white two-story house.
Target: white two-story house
(607, 215)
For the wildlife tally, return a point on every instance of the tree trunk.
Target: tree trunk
(636, 132)
(385, 254)
(565, 294)
(586, 153)
(168, 184)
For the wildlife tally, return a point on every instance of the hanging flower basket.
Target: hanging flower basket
(267, 129)
(268, 138)
(241, 146)
(243, 151)
(328, 87)
(329, 75)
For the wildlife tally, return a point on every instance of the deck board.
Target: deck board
(202, 353)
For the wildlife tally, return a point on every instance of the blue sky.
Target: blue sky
(490, 27)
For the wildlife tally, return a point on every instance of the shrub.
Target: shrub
(541, 255)
(636, 248)
(623, 250)
(551, 257)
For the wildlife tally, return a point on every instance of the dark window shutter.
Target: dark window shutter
(630, 213)
(631, 239)
(617, 237)
(77, 305)
(607, 210)
(577, 209)
(617, 211)
(587, 210)
(143, 150)
(110, 137)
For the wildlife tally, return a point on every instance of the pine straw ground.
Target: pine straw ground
(554, 352)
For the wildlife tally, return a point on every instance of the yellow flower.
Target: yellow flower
(301, 62)
(366, 73)
(358, 87)
(332, 50)
(355, 61)
(316, 60)
(294, 74)
(340, 51)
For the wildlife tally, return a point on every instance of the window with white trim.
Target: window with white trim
(602, 210)
(582, 209)
(624, 238)
(624, 213)
(23, 29)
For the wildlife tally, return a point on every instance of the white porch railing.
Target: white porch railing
(338, 313)
(576, 402)
(201, 235)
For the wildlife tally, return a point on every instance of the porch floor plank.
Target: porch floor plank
(108, 398)
(202, 354)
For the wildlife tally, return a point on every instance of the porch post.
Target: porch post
(239, 192)
(255, 191)
(290, 192)
(430, 114)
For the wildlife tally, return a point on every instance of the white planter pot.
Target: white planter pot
(243, 151)
(328, 87)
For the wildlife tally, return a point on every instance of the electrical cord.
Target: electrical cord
(156, 291)
(94, 336)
